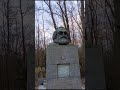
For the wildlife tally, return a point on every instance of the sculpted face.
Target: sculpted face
(61, 36)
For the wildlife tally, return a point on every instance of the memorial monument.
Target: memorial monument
(62, 62)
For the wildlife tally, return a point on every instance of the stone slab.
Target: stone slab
(62, 54)
(95, 75)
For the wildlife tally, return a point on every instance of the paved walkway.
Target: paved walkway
(41, 87)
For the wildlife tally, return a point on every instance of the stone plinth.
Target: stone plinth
(68, 76)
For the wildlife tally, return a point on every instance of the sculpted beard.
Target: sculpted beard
(61, 38)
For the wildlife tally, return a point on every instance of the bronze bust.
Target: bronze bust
(61, 36)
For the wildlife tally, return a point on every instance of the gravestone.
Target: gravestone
(95, 75)
(62, 63)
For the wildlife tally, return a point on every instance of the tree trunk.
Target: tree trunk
(116, 60)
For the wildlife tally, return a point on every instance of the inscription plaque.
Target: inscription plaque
(63, 71)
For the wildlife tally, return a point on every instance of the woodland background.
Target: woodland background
(91, 23)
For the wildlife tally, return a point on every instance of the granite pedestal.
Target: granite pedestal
(62, 67)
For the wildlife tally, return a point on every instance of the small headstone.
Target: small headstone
(95, 75)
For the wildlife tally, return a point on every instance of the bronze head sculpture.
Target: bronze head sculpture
(61, 36)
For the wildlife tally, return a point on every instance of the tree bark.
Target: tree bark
(51, 12)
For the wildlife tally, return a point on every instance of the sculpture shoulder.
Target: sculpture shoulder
(53, 43)
(58, 44)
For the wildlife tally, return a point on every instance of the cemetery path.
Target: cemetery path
(41, 87)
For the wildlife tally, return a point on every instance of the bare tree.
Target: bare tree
(51, 12)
